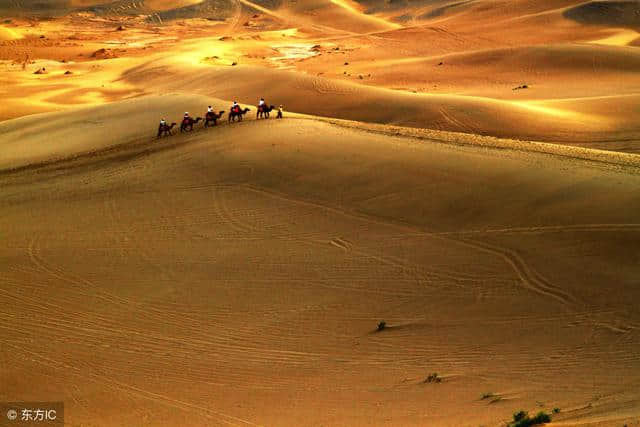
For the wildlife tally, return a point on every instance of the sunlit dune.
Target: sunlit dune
(622, 38)
(539, 107)
(9, 34)
(352, 7)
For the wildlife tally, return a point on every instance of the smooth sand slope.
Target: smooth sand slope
(236, 275)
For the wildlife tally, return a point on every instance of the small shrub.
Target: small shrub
(540, 418)
(433, 378)
(487, 395)
(382, 325)
(522, 419)
(519, 416)
(556, 410)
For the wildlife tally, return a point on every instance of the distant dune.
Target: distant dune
(568, 121)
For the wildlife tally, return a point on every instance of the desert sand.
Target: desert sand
(236, 275)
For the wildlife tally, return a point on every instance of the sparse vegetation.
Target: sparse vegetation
(494, 397)
(433, 378)
(522, 419)
(556, 410)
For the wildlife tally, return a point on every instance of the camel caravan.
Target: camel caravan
(211, 117)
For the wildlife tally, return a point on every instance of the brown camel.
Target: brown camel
(263, 111)
(213, 118)
(188, 122)
(238, 114)
(165, 129)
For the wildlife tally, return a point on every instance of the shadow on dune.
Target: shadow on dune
(207, 9)
(43, 8)
(218, 10)
(609, 13)
(440, 11)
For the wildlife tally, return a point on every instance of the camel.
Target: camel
(212, 117)
(165, 130)
(263, 111)
(238, 114)
(188, 122)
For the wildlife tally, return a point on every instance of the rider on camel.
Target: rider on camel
(235, 108)
(209, 109)
(261, 104)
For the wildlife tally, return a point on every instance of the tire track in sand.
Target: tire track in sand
(530, 279)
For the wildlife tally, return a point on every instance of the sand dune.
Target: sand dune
(91, 129)
(546, 70)
(319, 96)
(620, 38)
(580, 89)
(577, 93)
(9, 34)
(255, 259)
